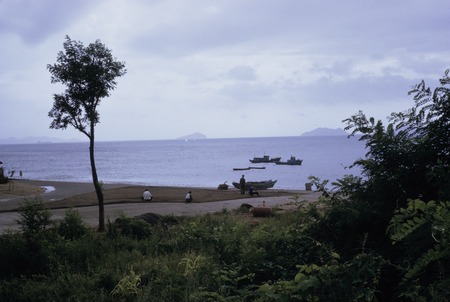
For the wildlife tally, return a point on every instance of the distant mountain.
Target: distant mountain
(325, 132)
(34, 140)
(193, 136)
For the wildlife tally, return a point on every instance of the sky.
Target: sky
(225, 68)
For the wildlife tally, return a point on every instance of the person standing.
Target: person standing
(242, 183)
(147, 196)
(189, 197)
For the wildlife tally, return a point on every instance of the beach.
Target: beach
(125, 199)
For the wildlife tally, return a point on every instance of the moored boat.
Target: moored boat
(241, 169)
(265, 159)
(258, 185)
(292, 161)
(248, 168)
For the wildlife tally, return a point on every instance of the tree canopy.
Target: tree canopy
(410, 157)
(89, 74)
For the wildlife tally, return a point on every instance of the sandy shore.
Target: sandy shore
(126, 199)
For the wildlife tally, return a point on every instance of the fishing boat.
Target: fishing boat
(258, 185)
(265, 159)
(248, 168)
(292, 161)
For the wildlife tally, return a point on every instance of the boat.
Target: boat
(292, 161)
(248, 168)
(258, 185)
(265, 159)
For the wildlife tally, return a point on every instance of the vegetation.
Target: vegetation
(380, 237)
(89, 74)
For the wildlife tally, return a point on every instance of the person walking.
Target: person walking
(242, 183)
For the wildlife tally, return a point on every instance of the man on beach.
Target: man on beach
(189, 197)
(242, 183)
(147, 196)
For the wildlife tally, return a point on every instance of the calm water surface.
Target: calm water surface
(194, 163)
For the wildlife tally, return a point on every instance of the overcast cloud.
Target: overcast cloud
(230, 68)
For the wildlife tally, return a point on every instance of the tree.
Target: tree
(410, 157)
(407, 186)
(89, 75)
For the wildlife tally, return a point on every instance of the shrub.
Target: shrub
(35, 217)
(72, 226)
(423, 227)
(131, 227)
(11, 255)
(354, 280)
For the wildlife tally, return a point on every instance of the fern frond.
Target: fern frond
(432, 255)
(407, 220)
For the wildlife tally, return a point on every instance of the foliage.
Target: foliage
(89, 74)
(200, 258)
(127, 286)
(428, 277)
(35, 218)
(354, 280)
(29, 253)
(136, 228)
(409, 158)
(72, 226)
(215, 257)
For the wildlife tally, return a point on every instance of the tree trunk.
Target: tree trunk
(98, 187)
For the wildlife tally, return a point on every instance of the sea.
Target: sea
(188, 163)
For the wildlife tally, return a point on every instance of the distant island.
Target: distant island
(325, 132)
(193, 136)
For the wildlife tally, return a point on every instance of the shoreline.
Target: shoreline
(125, 199)
(80, 194)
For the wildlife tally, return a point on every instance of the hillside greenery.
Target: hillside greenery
(382, 236)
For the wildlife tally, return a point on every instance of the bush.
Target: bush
(12, 258)
(131, 227)
(354, 280)
(72, 226)
(35, 217)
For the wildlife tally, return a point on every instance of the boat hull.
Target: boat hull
(265, 159)
(258, 185)
(291, 163)
(249, 168)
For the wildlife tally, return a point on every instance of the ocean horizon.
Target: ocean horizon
(188, 163)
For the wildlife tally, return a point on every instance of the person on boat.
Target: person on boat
(242, 184)
(252, 191)
(147, 196)
(189, 197)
